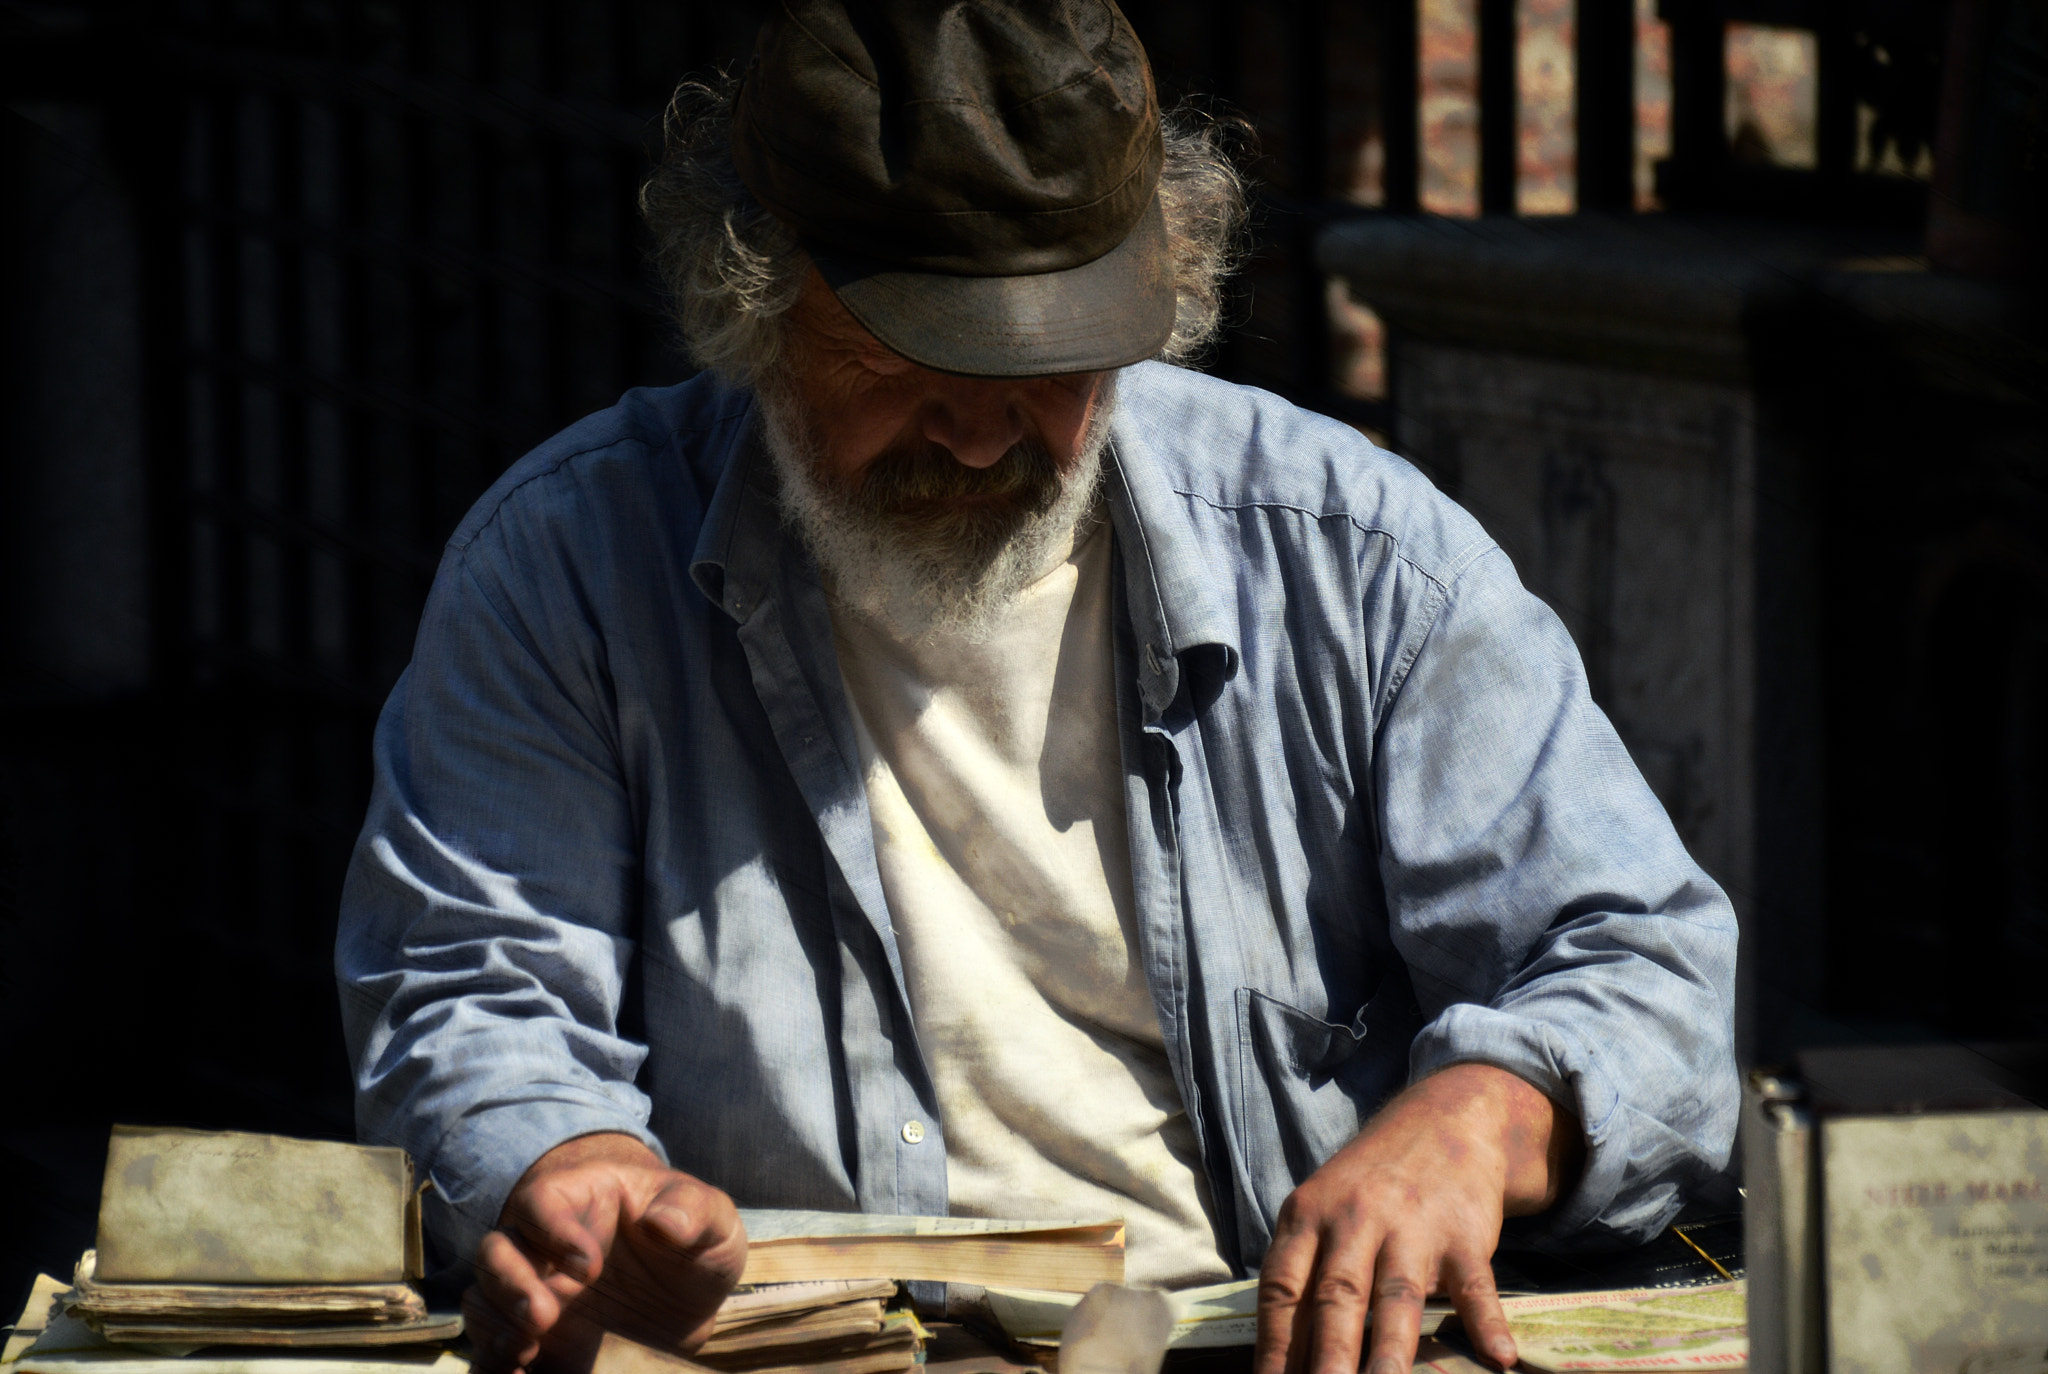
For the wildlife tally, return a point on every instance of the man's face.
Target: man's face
(871, 406)
(932, 496)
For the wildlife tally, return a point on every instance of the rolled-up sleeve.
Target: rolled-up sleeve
(489, 912)
(1552, 922)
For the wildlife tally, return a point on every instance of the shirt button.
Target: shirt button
(913, 1131)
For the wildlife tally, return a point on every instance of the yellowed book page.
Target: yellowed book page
(225, 1207)
(768, 1300)
(247, 1303)
(435, 1326)
(1702, 1327)
(833, 1323)
(766, 1225)
(1936, 1240)
(1025, 1263)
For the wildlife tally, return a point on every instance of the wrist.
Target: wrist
(1539, 1141)
(602, 1147)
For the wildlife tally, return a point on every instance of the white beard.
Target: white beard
(933, 576)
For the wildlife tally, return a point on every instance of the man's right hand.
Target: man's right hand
(600, 1235)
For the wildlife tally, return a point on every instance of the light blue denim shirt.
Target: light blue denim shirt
(618, 873)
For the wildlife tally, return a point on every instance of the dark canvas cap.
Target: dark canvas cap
(976, 179)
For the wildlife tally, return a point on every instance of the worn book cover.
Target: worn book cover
(225, 1207)
(1937, 1240)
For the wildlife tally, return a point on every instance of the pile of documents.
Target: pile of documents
(814, 1299)
(841, 1326)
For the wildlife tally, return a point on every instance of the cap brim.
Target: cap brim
(1111, 312)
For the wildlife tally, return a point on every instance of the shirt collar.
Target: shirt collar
(740, 545)
(1184, 630)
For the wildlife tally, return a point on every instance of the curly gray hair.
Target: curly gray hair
(732, 269)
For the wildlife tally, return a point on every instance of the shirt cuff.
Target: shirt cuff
(1557, 1065)
(479, 1160)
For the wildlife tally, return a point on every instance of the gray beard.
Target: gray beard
(930, 571)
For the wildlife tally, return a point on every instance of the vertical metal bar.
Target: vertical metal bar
(488, 206)
(1834, 132)
(632, 328)
(1310, 118)
(1226, 67)
(1499, 118)
(294, 417)
(1226, 56)
(1604, 99)
(1699, 77)
(151, 140)
(351, 197)
(289, 784)
(1400, 94)
(422, 314)
(559, 198)
(230, 483)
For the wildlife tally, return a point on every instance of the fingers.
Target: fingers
(1469, 1281)
(695, 1249)
(1284, 1313)
(509, 1307)
(509, 1281)
(499, 1343)
(568, 1226)
(1398, 1290)
(1340, 1298)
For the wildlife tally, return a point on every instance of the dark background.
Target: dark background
(286, 284)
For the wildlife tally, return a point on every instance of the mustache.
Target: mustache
(899, 481)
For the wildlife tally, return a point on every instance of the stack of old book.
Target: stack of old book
(844, 1326)
(220, 1238)
(805, 1307)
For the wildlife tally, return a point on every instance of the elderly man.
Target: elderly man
(940, 760)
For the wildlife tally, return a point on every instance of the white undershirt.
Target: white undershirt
(995, 779)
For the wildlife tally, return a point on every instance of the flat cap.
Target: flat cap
(976, 179)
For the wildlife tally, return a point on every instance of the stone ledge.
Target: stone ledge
(1658, 294)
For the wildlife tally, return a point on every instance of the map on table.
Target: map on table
(1701, 1327)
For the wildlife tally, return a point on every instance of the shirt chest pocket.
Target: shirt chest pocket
(1306, 1084)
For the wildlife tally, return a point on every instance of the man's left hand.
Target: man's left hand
(1412, 1206)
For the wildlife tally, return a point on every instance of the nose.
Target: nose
(976, 419)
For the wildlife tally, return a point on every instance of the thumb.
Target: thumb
(691, 1217)
(670, 1221)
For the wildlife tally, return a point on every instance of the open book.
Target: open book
(1064, 1256)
